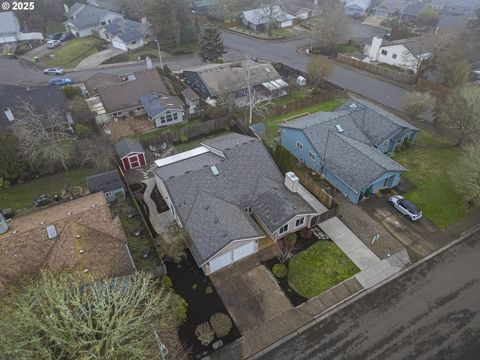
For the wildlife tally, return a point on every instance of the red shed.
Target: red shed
(131, 153)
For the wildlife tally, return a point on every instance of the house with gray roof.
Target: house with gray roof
(231, 199)
(266, 17)
(350, 146)
(356, 7)
(162, 110)
(109, 183)
(406, 53)
(390, 8)
(124, 34)
(10, 29)
(84, 20)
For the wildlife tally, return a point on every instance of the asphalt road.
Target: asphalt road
(430, 312)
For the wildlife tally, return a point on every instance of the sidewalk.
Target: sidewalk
(373, 269)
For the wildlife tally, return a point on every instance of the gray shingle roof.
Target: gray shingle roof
(106, 181)
(126, 30)
(264, 15)
(248, 177)
(9, 23)
(352, 155)
(127, 146)
(156, 104)
(88, 15)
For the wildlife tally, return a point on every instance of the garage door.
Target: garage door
(221, 261)
(244, 251)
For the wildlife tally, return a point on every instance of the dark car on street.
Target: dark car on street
(40, 200)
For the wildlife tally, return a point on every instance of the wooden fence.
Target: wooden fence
(432, 86)
(379, 70)
(314, 187)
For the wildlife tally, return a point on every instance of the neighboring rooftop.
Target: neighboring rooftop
(104, 182)
(128, 146)
(83, 236)
(416, 45)
(211, 189)
(9, 23)
(127, 30)
(266, 14)
(156, 104)
(84, 16)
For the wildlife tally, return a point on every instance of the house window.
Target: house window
(384, 52)
(394, 56)
(283, 229)
(139, 108)
(103, 23)
(299, 222)
(299, 145)
(312, 155)
(134, 42)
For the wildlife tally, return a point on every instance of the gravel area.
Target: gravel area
(365, 227)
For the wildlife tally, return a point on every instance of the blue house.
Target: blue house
(350, 146)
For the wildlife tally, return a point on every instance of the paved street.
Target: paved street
(430, 312)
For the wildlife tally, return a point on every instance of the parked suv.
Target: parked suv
(40, 200)
(54, 71)
(52, 44)
(405, 207)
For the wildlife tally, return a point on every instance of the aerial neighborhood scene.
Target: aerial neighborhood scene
(240, 179)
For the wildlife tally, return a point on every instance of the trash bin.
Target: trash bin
(35, 59)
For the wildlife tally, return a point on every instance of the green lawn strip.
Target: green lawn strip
(21, 196)
(318, 268)
(271, 124)
(428, 168)
(293, 96)
(52, 27)
(156, 132)
(426, 138)
(70, 53)
(391, 67)
(344, 48)
(195, 143)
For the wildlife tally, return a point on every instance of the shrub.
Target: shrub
(183, 138)
(82, 130)
(172, 246)
(280, 270)
(167, 282)
(208, 290)
(291, 239)
(221, 324)
(71, 91)
(204, 333)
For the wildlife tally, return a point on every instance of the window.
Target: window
(394, 56)
(134, 42)
(299, 145)
(384, 52)
(139, 107)
(299, 222)
(312, 155)
(103, 23)
(283, 229)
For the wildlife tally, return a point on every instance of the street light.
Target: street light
(159, 53)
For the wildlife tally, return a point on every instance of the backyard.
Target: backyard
(70, 53)
(428, 162)
(21, 196)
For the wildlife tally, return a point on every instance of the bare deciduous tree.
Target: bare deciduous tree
(466, 173)
(97, 152)
(317, 68)
(330, 28)
(42, 138)
(416, 103)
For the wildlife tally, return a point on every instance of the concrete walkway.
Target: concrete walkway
(159, 221)
(311, 200)
(96, 59)
(373, 269)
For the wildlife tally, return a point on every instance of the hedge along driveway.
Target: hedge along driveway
(70, 53)
(318, 268)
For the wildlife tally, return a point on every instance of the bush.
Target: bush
(208, 290)
(167, 282)
(280, 270)
(291, 239)
(221, 324)
(172, 246)
(71, 91)
(204, 333)
(183, 138)
(82, 130)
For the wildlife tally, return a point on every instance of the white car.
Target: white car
(405, 207)
(52, 44)
(54, 71)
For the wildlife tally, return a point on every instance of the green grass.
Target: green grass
(293, 96)
(428, 168)
(282, 33)
(318, 268)
(193, 144)
(344, 48)
(52, 27)
(70, 53)
(156, 132)
(271, 123)
(21, 196)
(391, 67)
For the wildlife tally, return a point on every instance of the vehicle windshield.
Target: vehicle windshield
(410, 206)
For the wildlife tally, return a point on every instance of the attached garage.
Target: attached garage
(231, 256)
(131, 154)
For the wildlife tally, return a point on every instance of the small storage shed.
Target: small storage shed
(131, 153)
(110, 183)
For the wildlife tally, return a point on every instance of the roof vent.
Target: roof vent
(85, 270)
(77, 236)
(51, 232)
(82, 251)
(224, 234)
(214, 170)
(69, 213)
(352, 106)
(339, 128)
(94, 205)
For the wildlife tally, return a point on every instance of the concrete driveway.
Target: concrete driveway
(250, 292)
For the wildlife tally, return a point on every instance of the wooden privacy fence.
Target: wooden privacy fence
(315, 188)
(379, 70)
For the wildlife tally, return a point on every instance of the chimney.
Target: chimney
(291, 181)
(375, 48)
(148, 61)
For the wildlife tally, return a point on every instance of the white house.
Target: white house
(10, 29)
(162, 110)
(404, 53)
(124, 34)
(356, 7)
(270, 16)
(83, 20)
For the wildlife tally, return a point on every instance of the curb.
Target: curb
(352, 298)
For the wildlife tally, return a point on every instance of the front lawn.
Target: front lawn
(428, 162)
(70, 53)
(391, 67)
(21, 196)
(318, 268)
(271, 123)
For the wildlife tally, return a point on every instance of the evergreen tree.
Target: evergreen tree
(211, 44)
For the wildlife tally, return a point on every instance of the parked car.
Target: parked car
(40, 200)
(60, 81)
(52, 44)
(7, 213)
(405, 207)
(54, 71)
(66, 36)
(55, 36)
